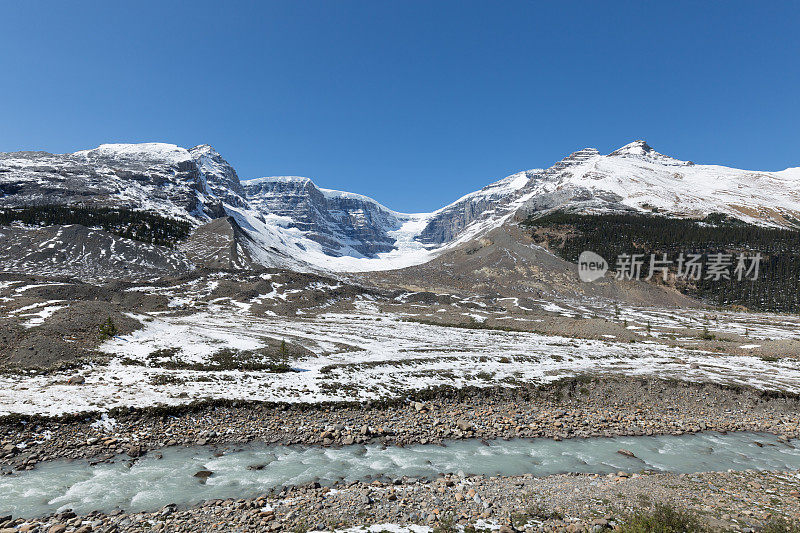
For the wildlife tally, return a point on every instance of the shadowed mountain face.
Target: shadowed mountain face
(220, 244)
(289, 221)
(338, 221)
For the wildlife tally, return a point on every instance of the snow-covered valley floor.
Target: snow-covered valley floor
(357, 355)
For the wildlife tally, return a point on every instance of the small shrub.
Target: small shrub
(447, 524)
(662, 519)
(706, 335)
(542, 513)
(107, 329)
(163, 353)
(301, 527)
(166, 379)
(781, 525)
(519, 520)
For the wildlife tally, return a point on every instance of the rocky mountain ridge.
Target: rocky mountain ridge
(289, 221)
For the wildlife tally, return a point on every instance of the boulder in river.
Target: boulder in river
(203, 475)
(134, 451)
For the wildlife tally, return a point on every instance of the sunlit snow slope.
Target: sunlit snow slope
(636, 177)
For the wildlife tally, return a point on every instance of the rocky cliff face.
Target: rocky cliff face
(478, 209)
(342, 223)
(161, 178)
(218, 179)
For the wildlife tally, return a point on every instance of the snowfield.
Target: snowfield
(362, 355)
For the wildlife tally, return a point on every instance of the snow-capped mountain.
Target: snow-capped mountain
(162, 178)
(637, 178)
(289, 221)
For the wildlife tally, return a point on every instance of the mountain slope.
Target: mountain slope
(349, 232)
(506, 261)
(282, 221)
(86, 254)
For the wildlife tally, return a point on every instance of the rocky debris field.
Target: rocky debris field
(51, 323)
(48, 323)
(736, 501)
(567, 409)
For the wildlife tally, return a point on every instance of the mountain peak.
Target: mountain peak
(638, 147)
(204, 149)
(141, 151)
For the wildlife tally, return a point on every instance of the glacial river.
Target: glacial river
(168, 476)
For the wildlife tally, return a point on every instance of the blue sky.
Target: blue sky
(411, 102)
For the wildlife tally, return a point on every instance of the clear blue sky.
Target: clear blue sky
(411, 102)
